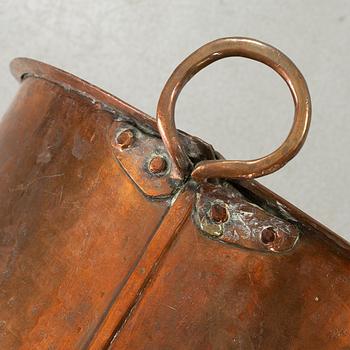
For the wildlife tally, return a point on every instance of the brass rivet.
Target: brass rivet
(268, 235)
(125, 139)
(218, 213)
(157, 165)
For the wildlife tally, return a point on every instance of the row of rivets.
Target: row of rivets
(218, 214)
(157, 165)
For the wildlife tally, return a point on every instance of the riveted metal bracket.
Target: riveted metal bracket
(143, 157)
(222, 213)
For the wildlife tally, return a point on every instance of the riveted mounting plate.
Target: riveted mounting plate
(135, 157)
(245, 224)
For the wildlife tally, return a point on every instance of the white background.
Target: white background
(242, 107)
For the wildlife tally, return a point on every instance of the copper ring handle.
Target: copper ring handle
(234, 169)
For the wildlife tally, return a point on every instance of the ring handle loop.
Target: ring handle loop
(233, 169)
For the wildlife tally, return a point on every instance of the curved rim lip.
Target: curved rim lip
(22, 68)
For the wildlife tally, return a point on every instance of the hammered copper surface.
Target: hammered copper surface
(209, 295)
(70, 235)
(93, 256)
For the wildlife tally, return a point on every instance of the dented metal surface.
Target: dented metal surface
(90, 229)
(245, 225)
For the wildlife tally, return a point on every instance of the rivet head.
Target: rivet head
(125, 139)
(157, 165)
(268, 235)
(218, 213)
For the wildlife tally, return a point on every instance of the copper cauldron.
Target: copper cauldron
(117, 231)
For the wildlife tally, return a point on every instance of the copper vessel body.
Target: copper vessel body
(105, 246)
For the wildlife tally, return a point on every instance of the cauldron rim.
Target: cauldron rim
(23, 68)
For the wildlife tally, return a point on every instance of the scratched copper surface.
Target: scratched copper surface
(67, 243)
(88, 260)
(209, 295)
